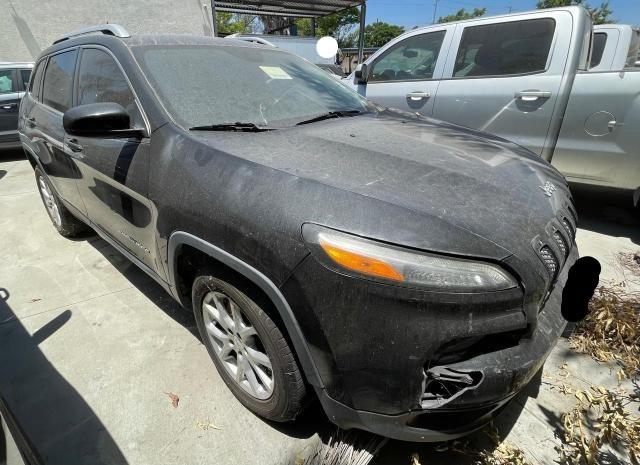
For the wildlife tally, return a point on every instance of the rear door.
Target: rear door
(405, 74)
(10, 95)
(503, 75)
(114, 170)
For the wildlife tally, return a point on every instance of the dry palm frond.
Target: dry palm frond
(346, 448)
(611, 331)
(599, 419)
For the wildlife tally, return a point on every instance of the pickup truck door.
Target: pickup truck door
(504, 75)
(10, 95)
(405, 73)
(598, 141)
(115, 171)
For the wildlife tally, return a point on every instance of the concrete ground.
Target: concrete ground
(91, 348)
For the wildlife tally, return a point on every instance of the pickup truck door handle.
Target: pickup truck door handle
(532, 94)
(418, 95)
(74, 146)
(31, 122)
(8, 106)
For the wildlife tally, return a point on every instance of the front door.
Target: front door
(114, 170)
(503, 76)
(405, 74)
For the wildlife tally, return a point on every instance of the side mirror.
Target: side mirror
(362, 73)
(99, 120)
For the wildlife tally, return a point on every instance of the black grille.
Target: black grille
(562, 245)
(569, 228)
(549, 259)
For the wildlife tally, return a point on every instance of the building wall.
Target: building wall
(29, 26)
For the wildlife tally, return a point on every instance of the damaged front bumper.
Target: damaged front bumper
(461, 397)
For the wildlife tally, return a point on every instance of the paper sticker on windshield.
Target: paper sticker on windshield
(275, 72)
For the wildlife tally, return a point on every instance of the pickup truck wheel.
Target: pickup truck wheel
(251, 354)
(64, 222)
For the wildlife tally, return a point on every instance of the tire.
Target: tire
(65, 223)
(284, 400)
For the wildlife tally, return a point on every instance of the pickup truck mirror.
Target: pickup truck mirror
(99, 120)
(362, 73)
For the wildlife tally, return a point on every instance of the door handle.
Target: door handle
(74, 146)
(31, 122)
(530, 95)
(9, 106)
(418, 95)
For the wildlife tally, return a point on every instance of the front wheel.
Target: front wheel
(251, 354)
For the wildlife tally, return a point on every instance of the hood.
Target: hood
(470, 180)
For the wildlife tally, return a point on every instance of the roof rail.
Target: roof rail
(109, 29)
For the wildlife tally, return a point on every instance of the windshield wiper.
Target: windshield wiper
(331, 114)
(238, 127)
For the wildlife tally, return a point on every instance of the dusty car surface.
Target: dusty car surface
(406, 272)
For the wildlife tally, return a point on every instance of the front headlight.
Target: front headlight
(381, 262)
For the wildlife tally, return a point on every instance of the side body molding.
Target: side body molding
(179, 238)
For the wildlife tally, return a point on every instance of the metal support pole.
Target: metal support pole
(214, 32)
(313, 27)
(435, 8)
(363, 18)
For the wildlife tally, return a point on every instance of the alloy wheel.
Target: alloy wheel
(237, 345)
(50, 202)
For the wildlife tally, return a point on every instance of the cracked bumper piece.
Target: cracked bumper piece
(492, 380)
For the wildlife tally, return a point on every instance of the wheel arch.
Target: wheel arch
(180, 239)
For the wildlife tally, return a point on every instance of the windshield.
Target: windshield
(207, 85)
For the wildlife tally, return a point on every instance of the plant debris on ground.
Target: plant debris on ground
(611, 330)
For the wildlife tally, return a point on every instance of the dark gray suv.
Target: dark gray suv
(406, 272)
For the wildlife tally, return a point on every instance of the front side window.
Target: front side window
(58, 81)
(517, 47)
(223, 84)
(413, 59)
(101, 80)
(6, 81)
(599, 41)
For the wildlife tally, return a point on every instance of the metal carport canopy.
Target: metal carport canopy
(294, 8)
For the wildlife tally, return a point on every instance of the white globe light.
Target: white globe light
(327, 47)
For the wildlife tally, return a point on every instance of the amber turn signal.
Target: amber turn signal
(361, 263)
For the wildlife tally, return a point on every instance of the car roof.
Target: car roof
(16, 64)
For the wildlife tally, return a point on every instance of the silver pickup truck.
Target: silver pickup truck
(524, 77)
(615, 47)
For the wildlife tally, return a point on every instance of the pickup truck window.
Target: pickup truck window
(100, 80)
(58, 80)
(6, 82)
(599, 41)
(412, 59)
(516, 47)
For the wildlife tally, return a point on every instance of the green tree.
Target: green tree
(230, 23)
(462, 14)
(377, 34)
(338, 25)
(599, 15)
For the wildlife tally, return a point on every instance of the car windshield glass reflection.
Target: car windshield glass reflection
(210, 85)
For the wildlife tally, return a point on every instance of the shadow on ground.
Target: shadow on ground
(12, 155)
(49, 419)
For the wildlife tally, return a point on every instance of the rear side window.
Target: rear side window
(101, 80)
(6, 81)
(58, 81)
(34, 85)
(518, 47)
(413, 59)
(25, 74)
(599, 41)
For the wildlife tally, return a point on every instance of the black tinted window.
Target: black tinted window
(6, 81)
(25, 74)
(100, 80)
(599, 41)
(411, 59)
(58, 80)
(34, 85)
(517, 47)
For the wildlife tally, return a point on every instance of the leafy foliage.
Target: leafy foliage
(229, 23)
(462, 14)
(599, 15)
(338, 25)
(377, 34)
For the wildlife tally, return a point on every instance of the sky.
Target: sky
(409, 13)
